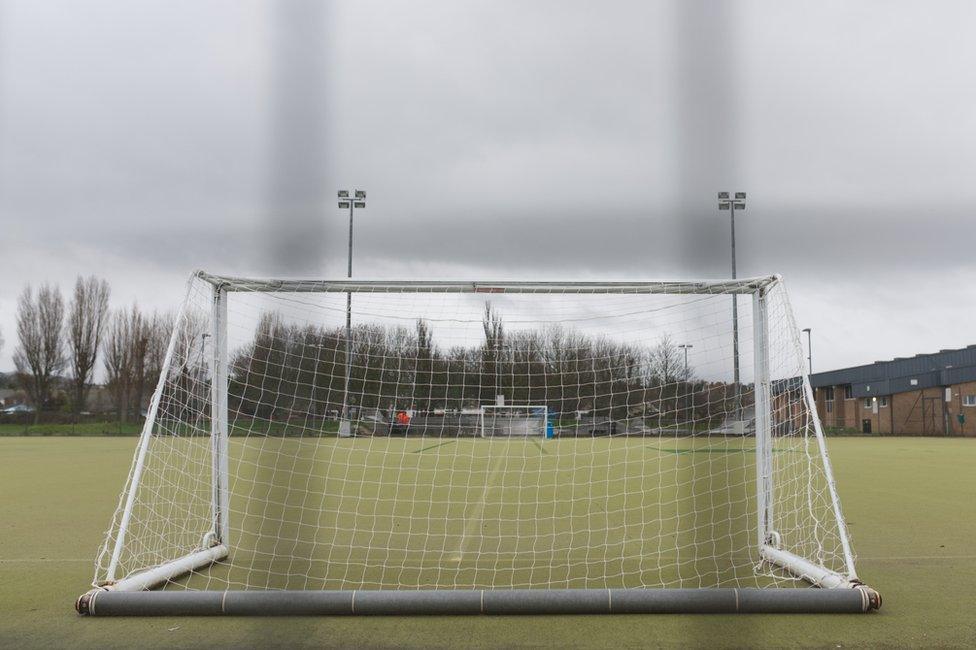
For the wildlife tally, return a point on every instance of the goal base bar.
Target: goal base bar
(488, 602)
(171, 570)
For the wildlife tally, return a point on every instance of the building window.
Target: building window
(829, 398)
(848, 392)
(883, 402)
(969, 400)
(867, 402)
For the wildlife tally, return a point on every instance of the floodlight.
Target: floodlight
(359, 204)
(343, 204)
(723, 206)
(723, 195)
(740, 195)
(739, 205)
(361, 194)
(343, 194)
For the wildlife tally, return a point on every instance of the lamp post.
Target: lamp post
(358, 200)
(733, 204)
(686, 347)
(809, 349)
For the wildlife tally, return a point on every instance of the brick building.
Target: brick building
(925, 395)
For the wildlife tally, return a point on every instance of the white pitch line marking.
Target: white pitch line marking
(478, 513)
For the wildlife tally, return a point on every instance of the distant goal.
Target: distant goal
(506, 420)
(291, 463)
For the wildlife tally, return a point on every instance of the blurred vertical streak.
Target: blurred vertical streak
(301, 201)
(706, 161)
(299, 194)
(706, 142)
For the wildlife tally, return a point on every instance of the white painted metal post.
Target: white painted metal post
(811, 409)
(144, 441)
(218, 418)
(764, 444)
(845, 538)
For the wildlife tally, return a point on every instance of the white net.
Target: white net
(648, 479)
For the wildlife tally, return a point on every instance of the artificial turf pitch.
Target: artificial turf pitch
(910, 503)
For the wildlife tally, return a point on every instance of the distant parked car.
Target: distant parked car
(18, 408)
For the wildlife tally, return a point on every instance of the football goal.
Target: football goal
(510, 420)
(323, 447)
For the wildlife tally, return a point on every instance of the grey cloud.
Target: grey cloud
(496, 138)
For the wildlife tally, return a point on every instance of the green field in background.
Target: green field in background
(106, 428)
(239, 426)
(910, 503)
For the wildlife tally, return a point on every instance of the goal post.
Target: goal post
(764, 453)
(218, 421)
(271, 476)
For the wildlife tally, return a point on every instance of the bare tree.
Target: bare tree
(491, 353)
(124, 328)
(87, 317)
(139, 336)
(40, 356)
(160, 330)
(423, 378)
(666, 362)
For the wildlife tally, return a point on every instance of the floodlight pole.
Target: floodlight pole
(686, 347)
(735, 323)
(809, 349)
(358, 200)
(725, 202)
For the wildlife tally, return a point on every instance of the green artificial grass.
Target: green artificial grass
(910, 504)
(239, 426)
(106, 428)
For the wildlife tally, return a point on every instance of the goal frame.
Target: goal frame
(131, 596)
(512, 407)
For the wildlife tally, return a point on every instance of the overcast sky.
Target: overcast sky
(141, 140)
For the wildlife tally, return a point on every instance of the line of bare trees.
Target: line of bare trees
(289, 370)
(59, 347)
(135, 348)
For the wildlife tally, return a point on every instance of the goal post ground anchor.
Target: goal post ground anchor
(479, 602)
(129, 597)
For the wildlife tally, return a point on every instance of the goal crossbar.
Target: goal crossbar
(744, 286)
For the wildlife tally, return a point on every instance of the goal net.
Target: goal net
(510, 420)
(283, 451)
